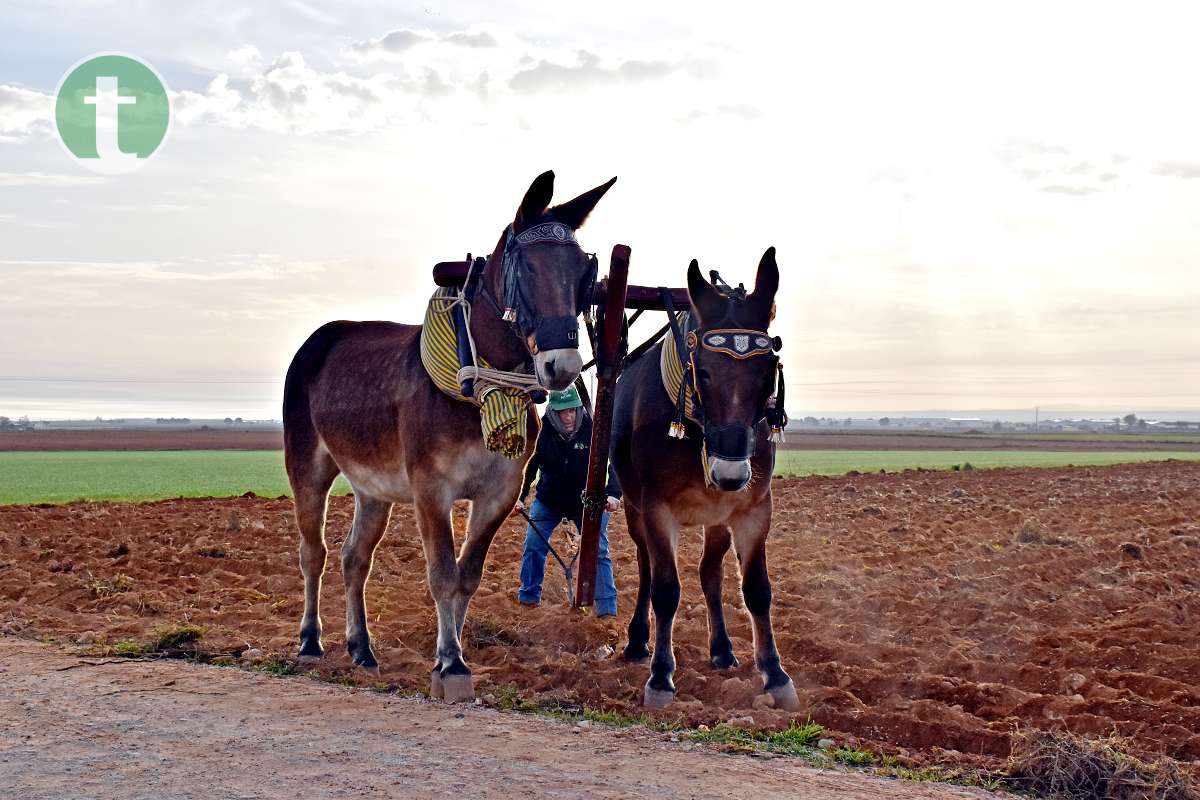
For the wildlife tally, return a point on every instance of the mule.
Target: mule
(718, 477)
(357, 401)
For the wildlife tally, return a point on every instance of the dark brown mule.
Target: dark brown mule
(665, 486)
(358, 401)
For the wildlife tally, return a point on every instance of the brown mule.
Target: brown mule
(357, 401)
(665, 484)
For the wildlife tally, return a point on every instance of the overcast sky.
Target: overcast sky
(975, 206)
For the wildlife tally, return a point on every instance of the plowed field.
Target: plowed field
(920, 614)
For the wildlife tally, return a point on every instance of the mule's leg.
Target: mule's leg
(712, 574)
(311, 478)
(451, 678)
(664, 597)
(750, 543)
(358, 551)
(639, 623)
(487, 514)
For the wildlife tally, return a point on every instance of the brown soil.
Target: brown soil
(214, 439)
(921, 614)
(72, 727)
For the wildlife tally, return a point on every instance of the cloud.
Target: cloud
(24, 113)
(1057, 170)
(1178, 169)
(44, 179)
(390, 44)
(289, 95)
(741, 111)
(247, 58)
(1076, 191)
(476, 39)
(550, 76)
(1014, 149)
(398, 42)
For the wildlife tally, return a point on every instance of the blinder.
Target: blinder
(549, 333)
(734, 441)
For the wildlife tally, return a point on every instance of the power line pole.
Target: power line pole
(1036, 418)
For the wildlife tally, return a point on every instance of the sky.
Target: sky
(975, 206)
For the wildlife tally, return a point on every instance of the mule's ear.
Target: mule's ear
(536, 200)
(574, 213)
(766, 283)
(706, 300)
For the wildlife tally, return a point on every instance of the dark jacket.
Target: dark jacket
(563, 464)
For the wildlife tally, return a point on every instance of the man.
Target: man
(562, 459)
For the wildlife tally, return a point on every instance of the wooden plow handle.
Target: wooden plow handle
(608, 366)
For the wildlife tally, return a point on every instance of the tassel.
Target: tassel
(777, 436)
(677, 430)
(510, 315)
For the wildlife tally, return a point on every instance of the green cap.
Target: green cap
(567, 398)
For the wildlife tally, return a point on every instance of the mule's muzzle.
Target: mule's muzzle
(558, 369)
(556, 333)
(733, 442)
(729, 476)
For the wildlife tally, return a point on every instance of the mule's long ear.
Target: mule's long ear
(574, 213)
(766, 283)
(706, 300)
(536, 200)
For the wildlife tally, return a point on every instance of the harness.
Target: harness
(448, 350)
(732, 441)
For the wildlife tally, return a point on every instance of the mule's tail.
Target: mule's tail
(299, 433)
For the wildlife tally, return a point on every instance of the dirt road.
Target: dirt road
(171, 729)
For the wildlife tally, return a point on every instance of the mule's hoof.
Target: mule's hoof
(724, 661)
(636, 653)
(657, 698)
(304, 658)
(785, 696)
(436, 690)
(457, 688)
(372, 670)
(310, 651)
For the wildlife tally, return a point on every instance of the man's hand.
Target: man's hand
(611, 504)
(517, 509)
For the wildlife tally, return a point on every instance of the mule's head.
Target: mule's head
(735, 366)
(549, 278)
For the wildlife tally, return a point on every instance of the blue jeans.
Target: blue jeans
(533, 561)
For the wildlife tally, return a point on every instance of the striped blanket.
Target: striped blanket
(503, 412)
(672, 369)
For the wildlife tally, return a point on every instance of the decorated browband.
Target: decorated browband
(736, 342)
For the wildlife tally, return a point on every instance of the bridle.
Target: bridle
(516, 275)
(732, 441)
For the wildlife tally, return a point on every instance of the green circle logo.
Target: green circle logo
(112, 112)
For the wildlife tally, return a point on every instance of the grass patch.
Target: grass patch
(1061, 765)
(839, 462)
(795, 740)
(175, 637)
(125, 649)
(852, 757)
(280, 668)
(137, 476)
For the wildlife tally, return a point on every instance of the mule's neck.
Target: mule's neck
(496, 341)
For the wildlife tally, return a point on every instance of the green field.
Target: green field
(59, 477)
(838, 462)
